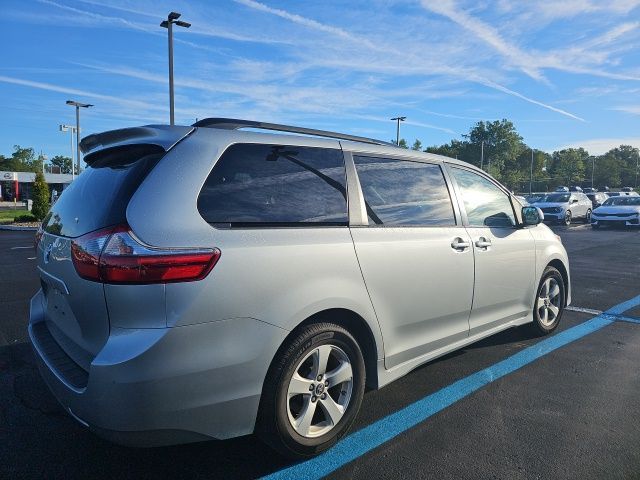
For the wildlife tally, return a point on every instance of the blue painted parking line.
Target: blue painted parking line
(372, 436)
(624, 306)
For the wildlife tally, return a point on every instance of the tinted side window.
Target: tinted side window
(253, 185)
(398, 192)
(485, 203)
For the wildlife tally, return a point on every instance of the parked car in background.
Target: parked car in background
(597, 198)
(575, 188)
(565, 207)
(623, 194)
(604, 188)
(522, 199)
(617, 211)
(626, 189)
(562, 188)
(589, 190)
(270, 285)
(534, 197)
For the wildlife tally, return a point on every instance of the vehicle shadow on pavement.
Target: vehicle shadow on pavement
(38, 439)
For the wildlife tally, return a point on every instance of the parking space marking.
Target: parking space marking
(590, 311)
(372, 436)
(18, 248)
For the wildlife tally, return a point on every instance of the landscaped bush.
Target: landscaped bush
(25, 218)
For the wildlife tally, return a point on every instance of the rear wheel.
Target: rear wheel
(313, 392)
(549, 302)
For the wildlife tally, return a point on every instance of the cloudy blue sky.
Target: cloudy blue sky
(566, 72)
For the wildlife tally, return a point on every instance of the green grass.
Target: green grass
(7, 216)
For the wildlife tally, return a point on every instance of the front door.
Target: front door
(504, 254)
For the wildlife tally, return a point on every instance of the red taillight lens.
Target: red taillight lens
(115, 256)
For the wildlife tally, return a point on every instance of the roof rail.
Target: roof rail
(236, 124)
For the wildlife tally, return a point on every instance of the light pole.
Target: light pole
(78, 105)
(398, 120)
(593, 168)
(481, 154)
(168, 24)
(531, 173)
(72, 129)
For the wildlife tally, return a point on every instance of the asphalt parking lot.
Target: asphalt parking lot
(572, 413)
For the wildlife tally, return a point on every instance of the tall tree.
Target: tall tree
(40, 196)
(417, 145)
(568, 165)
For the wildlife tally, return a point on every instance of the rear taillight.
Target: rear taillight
(114, 255)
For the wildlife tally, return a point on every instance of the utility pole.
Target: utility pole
(637, 164)
(593, 168)
(78, 105)
(168, 24)
(398, 120)
(531, 174)
(481, 154)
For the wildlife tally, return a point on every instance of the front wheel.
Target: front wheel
(549, 302)
(567, 218)
(313, 391)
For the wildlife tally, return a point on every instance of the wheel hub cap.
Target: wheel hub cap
(319, 391)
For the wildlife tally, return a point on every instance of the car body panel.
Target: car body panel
(187, 361)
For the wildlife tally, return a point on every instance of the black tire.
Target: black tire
(567, 218)
(587, 218)
(273, 424)
(539, 326)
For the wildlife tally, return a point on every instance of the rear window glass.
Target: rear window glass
(273, 185)
(99, 196)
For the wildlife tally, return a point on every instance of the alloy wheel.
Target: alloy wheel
(319, 391)
(548, 302)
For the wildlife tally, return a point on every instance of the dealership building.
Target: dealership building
(18, 185)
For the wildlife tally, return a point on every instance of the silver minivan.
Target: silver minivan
(212, 281)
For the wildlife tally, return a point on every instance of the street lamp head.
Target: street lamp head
(79, 104)
(164, 24)
(173, 16)
(180, 23)
(400, 119)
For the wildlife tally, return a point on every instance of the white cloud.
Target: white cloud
(598, 146)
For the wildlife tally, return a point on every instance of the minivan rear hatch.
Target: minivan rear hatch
(76, 313)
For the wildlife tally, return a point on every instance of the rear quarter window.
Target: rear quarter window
(255, 185)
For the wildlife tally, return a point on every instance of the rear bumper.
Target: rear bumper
(161, 386)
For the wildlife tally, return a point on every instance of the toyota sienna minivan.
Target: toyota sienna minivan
(216, 280)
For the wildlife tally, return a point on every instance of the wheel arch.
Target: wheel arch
(354, 324)
(560, 266)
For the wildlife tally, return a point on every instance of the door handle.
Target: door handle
(483, 243)
(459, 244)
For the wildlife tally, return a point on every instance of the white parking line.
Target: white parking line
(17, 248)
(583, 310)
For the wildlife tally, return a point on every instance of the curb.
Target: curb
(18, 229)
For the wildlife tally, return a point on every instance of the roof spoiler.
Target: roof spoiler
(162, 136)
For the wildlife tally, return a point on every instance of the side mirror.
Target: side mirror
(531, 216)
